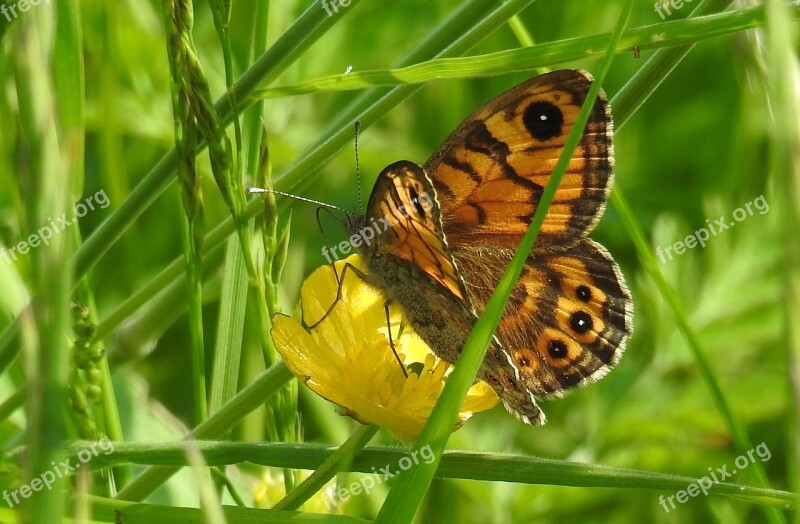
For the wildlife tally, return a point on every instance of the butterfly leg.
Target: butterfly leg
(322, 230)
(391, 340)
(339, 284)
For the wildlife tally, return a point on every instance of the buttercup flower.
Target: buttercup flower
(347, 358)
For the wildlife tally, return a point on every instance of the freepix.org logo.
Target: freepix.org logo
(61, 470)
(704, 483)
(365, 484)
(55, 225)
(702, 235)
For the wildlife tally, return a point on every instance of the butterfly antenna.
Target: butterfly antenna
(253, 190)
(358, 171)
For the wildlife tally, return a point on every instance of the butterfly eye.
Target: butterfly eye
(543, 120)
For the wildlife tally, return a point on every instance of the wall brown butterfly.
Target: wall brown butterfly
(570, 314)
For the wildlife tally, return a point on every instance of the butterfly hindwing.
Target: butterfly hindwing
(567, 319)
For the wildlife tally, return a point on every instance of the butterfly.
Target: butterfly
(448, 230)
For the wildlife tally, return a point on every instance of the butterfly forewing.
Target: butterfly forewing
(403, 204)
(491, 171)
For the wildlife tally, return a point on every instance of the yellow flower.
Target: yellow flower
(347, 358)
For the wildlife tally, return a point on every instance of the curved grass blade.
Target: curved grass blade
(656, 36)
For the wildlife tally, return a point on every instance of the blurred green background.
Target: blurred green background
(697, 149)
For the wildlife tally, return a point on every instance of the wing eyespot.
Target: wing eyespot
(583, 293)
(557, 349)
(581, 322)
(543, 120)
(415, 201)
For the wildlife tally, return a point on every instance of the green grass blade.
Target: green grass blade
(467, 465)
(230, 328)
(656, 36)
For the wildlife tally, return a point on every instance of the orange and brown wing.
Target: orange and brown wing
(403, 209)
(566, 321)
(491, 171)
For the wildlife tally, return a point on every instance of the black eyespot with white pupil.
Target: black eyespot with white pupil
(580, 322)
(583, 293)
(557, 349)
(543, 120)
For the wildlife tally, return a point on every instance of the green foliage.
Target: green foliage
(707, 123)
